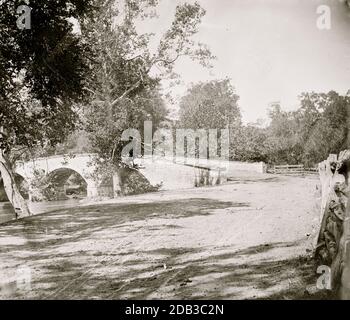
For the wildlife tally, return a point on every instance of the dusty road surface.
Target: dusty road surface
(250, 238)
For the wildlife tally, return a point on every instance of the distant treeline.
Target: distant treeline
(306, 136)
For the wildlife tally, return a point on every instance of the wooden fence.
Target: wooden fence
(293, 169)
(332, 243)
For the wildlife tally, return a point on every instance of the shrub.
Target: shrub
(133, 182)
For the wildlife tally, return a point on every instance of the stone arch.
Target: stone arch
(61, 178)
(79, 163)
(80, 169)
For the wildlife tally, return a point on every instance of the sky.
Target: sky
(271, 49)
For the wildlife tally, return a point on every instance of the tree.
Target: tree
(74, 143)
(41, 79)
(283, 136)
(210, 105)
(123, 85)
(310, 133)
(251, 144)
(328, 132)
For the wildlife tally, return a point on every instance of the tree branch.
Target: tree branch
(132, 88)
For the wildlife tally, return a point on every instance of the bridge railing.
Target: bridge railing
(230, 167)
(67, 156)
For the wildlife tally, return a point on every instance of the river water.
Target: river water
(7, 212)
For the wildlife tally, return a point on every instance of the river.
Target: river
(7, 212)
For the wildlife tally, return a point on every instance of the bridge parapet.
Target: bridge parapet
(180, 173)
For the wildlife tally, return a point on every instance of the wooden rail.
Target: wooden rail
(293, 169)
(332, 245)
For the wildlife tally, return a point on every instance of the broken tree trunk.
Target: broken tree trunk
(18, 202)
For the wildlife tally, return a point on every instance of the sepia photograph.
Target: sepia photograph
(174, 150)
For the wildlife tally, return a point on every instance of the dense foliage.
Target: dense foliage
(124, 85)
(210, 105)
(307, 135)
(42, 71)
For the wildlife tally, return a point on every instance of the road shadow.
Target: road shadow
(224, 276)
(41, 241)
(82, 272)
(74, 224)
(181, 273)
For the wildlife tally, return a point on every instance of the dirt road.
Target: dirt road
(250, 238)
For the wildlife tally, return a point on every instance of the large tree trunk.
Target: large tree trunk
(18, 202)
(117, 187)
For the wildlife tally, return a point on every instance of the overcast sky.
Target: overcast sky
(272, 50)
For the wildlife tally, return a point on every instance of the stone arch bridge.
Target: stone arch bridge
(79, 163)
(170, 173)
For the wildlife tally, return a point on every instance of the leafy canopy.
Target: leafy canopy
(210, 105)
(124, 89)
(42, 72)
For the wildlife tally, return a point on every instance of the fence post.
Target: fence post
(334, 235)
(326, 175)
